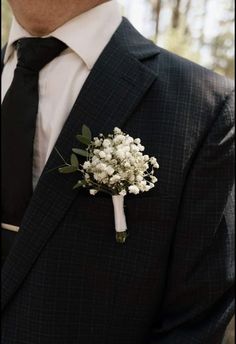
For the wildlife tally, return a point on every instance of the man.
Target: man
(64, 277)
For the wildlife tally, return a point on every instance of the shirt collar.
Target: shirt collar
(87, 34)
(16, 32)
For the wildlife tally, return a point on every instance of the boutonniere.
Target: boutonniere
(115, 164)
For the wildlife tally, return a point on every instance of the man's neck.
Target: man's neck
(40, 24)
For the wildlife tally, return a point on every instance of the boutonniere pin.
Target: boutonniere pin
(116, 165)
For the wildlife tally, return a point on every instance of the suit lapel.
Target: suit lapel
(113, 89)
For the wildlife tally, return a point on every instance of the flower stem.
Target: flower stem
(61, 156)
(121, 237)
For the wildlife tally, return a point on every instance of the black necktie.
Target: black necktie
(19, 111)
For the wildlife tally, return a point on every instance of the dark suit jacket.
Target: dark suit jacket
(67, 281)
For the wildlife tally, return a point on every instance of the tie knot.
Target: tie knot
(35, 53)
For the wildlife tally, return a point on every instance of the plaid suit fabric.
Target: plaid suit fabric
(172, 281)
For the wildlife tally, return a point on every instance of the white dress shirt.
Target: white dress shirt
(61, 80)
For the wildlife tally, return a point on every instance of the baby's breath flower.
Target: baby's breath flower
(132, 160)
(153, 179)
(110, 170)
(93, 192)
(106, 143)
(129, 140)
(142, 186)
(128, 155)
(133, 189)
(123, 193)
(120, 154)
(102, 154)
(139, 155)
(95, 161)
(114, 179)
(141, 148)
(119, 139)
(131, 178)
(127, 164)
(147, 188)
(108, 150)
(137, 141)
(97, 142)
(134, 148)
(117, 161)
(139, 178)
(117, 130)
(153, 162)
(100, 177)
(101, 166)
(108, 157)
(86, 165)
(96, 152)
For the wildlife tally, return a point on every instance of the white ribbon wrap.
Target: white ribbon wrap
(119, 214)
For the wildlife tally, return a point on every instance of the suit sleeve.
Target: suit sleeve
(199, 296)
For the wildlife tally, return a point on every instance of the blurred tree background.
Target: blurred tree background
(200, 30)
(6, 21)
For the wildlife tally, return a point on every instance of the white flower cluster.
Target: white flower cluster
(116, 164)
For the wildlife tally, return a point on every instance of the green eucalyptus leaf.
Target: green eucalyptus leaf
(86, 132)
(79, 184)
(74, 161)
(83, 140)
(67, 169)
(81, 152)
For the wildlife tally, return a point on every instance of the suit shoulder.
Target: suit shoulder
(189, 92)
(193, 77)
